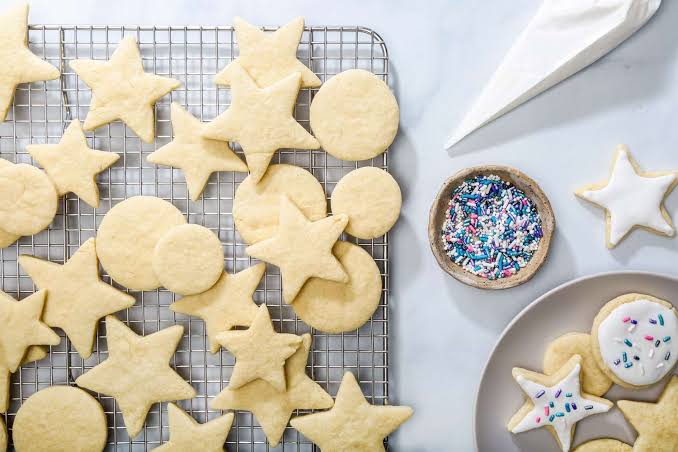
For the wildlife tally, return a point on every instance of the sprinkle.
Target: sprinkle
(653, 321)
(661, 319)
(666, 338)
(568, 394)
(552, 417)
(560, 414)
(625, 357)
(617, 361)
(588, 407)
(618, 340)
(626, 319)
(642, 369)
(546, 410)
(567, 407)
(650, 354)
(660, 365)
(574, 406)
(558, 392)
(635, 322)
(538, 419)
(628, 342)
(629, 364)
(636, 357)
(649, 338)
(552, 405)
(540, 393)
(631, 328)
(657, 342)
(667, 356)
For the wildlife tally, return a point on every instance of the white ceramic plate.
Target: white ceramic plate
(570, 307)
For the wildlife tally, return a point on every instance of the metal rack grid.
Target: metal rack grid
(41, 112)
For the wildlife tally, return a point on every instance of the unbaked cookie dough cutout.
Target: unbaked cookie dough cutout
(354, 115)
(336, 307)
(603, 445)
(371, 199)
(127, 237)
(188, 259)
(28, 200)
(60, 418)
(122, 90)
(187, 434)
(256, 206)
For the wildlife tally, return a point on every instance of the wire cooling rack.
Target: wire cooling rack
(41, 112)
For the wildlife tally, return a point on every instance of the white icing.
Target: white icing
(632, 199)
(651, 365)
(569, 392)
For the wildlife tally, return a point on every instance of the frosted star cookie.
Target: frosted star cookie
(352, 424)
(655, 422)
(72, 165)
(76, 298)
(302, 249)
(261, 120)
(632, 198)
(137, 373)
(7, 238)
(354, 115)
(335, 307)
(196, 156)
(273, 408)
(227, 304)
(122, 90)
(558, 353)
(260, 352)
(604, 445)
(371, 199)
(188, 259)
(127, 237)
(28, 200)
(635, 339)
(186, 434)
(34, 353)
(22, 66)
(268, 57)
(256, 206)
(555, 402)
(60, 418)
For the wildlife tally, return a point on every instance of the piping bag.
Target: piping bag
(564, 37)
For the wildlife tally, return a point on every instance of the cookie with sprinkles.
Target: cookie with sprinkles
(634, 339)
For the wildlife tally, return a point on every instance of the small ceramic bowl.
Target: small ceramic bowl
(531, 190)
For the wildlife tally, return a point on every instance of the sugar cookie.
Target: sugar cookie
(632, 198)
(28, 200)
(635, 339)
(3, 436)
(72, 165)
(371, 199)
(137, 373)
(354, 115)
(186, 434)
(34, 353)
(76, 298)
(593, 380)
(196, 156)
(352, 424)
(122, 90)
(302, 249)
(335, 307)
(256, 206)
(188, 259)
(6, 238)
(127, 237)
(60, 418)
(604, 445)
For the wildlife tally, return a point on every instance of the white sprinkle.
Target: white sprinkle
(660, 365)
(631, 328)
(618, 340)
(651, 353)
(642, 369)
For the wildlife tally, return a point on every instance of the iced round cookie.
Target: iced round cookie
(127, 237)
(188, 259)
(371, 199)
(604, 445)
(354, 115)
(256, 206)
(335, 307)
(3, 436)
(593, 380)
(634, 339)
(28, 200)
(60, 418)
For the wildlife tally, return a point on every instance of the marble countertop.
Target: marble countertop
(442, 53)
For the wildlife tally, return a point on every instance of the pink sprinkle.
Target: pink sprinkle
(649, 338)
(473, 230)
(507, 273)
(546, 410)
(538, 419)
(474, 216)
(626, 319)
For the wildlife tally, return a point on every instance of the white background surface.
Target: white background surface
(442, 52)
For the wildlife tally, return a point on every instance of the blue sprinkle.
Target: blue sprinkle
(567, 407)
(540, 393)
(551, 404)
(629, 364)
(653, 321)
(667, 356)
(552, 417)
(666, 338)
(656, 343)
(574, 406)
(588, 407)
(560, 414)
(661, 319)
(568, 394)
(628, 342)
(625, 357)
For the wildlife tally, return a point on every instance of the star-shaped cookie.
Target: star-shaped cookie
(137, 372)
(273, 408)
(34, 353)
(268, 57)
(227, 304)
(632, 198)
(261, 120)
(186, 434)
(76, 298)
(122, 90)
(260, 352)
(196, 156)
(72, 165)
(352, 424)
(656, 423)
(20, 64)
(302, 248)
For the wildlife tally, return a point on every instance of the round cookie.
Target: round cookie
(6, 238)
(593, 380)
(371, 199)
(256, 205)
(603, 445)
(127, 237)
(634, 339)
(60, 418)
(334, 307)
(354, 115)
(3, 436)
(188, 259)
(28, 200)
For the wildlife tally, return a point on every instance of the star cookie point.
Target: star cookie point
(187, 434)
